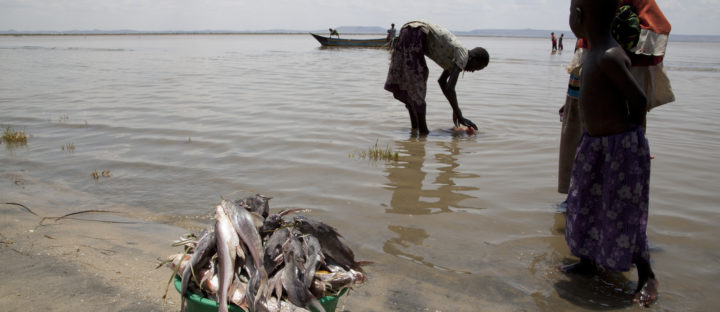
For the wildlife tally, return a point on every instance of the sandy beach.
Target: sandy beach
(78, 265)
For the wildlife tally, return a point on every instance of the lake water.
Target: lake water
(458, 223)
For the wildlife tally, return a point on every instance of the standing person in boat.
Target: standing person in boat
(408, 72)
(391, 33)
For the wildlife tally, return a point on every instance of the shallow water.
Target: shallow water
(459, 223)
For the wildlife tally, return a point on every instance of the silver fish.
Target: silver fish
(204, 250)
(227, 243)
(244, 225)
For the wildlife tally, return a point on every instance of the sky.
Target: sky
(688, 17)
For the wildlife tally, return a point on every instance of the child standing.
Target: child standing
(608, 197)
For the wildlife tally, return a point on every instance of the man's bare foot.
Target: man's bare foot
(582, 267)
(647, 294)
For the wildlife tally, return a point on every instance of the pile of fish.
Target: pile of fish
(265, 262)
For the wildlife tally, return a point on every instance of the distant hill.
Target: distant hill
(364, 30)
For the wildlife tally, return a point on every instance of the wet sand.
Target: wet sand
(79, 263)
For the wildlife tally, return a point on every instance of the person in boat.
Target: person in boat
(334, 32)
(391, 33)
(408, 72)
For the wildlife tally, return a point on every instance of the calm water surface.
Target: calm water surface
(458, 223)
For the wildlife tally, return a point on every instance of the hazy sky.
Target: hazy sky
(686, 16)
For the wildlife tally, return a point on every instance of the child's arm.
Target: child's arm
(617, 66)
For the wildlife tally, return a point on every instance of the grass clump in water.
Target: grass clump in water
(69, 147)
(12, 136)
(96, 175)
(376, 152)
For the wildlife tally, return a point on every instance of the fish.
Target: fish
(244, 224)
(339, 279)
(237, 293)
(329, 239)
(275, 285)
(273, 255)
(178, 261)
(313, 257)
(204, 250)
(293, 280)
(227, 244)
(275, 221)
(259, 204)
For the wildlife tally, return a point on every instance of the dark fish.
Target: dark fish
(293, 280)
(204, 250)
(275, 286)
(329, 240)
(227, 243)
(275, 221)
(259, 204)
(313, 257)
(273, 257)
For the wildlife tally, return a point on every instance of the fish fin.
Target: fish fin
(314, 303)
(257, 219)
(297, 210)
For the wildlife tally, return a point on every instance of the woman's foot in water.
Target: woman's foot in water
(646, 294)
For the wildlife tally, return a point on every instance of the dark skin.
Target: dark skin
(448, 79)
(611, 102)
(614, 102)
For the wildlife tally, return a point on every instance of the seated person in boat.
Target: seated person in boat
(334, 32)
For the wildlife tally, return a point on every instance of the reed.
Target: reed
(376, 152)
(97, 174)
(12, 136)
(68, 147)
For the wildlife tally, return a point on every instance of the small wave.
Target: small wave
(67, 49)
(693, 69)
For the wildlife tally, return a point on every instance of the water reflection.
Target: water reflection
(411, 196)
(406, 180)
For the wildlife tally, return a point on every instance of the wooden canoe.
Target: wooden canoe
(335, 42)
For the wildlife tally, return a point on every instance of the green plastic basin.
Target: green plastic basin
(197, 303)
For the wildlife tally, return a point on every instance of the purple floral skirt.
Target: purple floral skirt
(607, 207)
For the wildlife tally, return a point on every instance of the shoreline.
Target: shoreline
(94, 261)
(672, 38)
